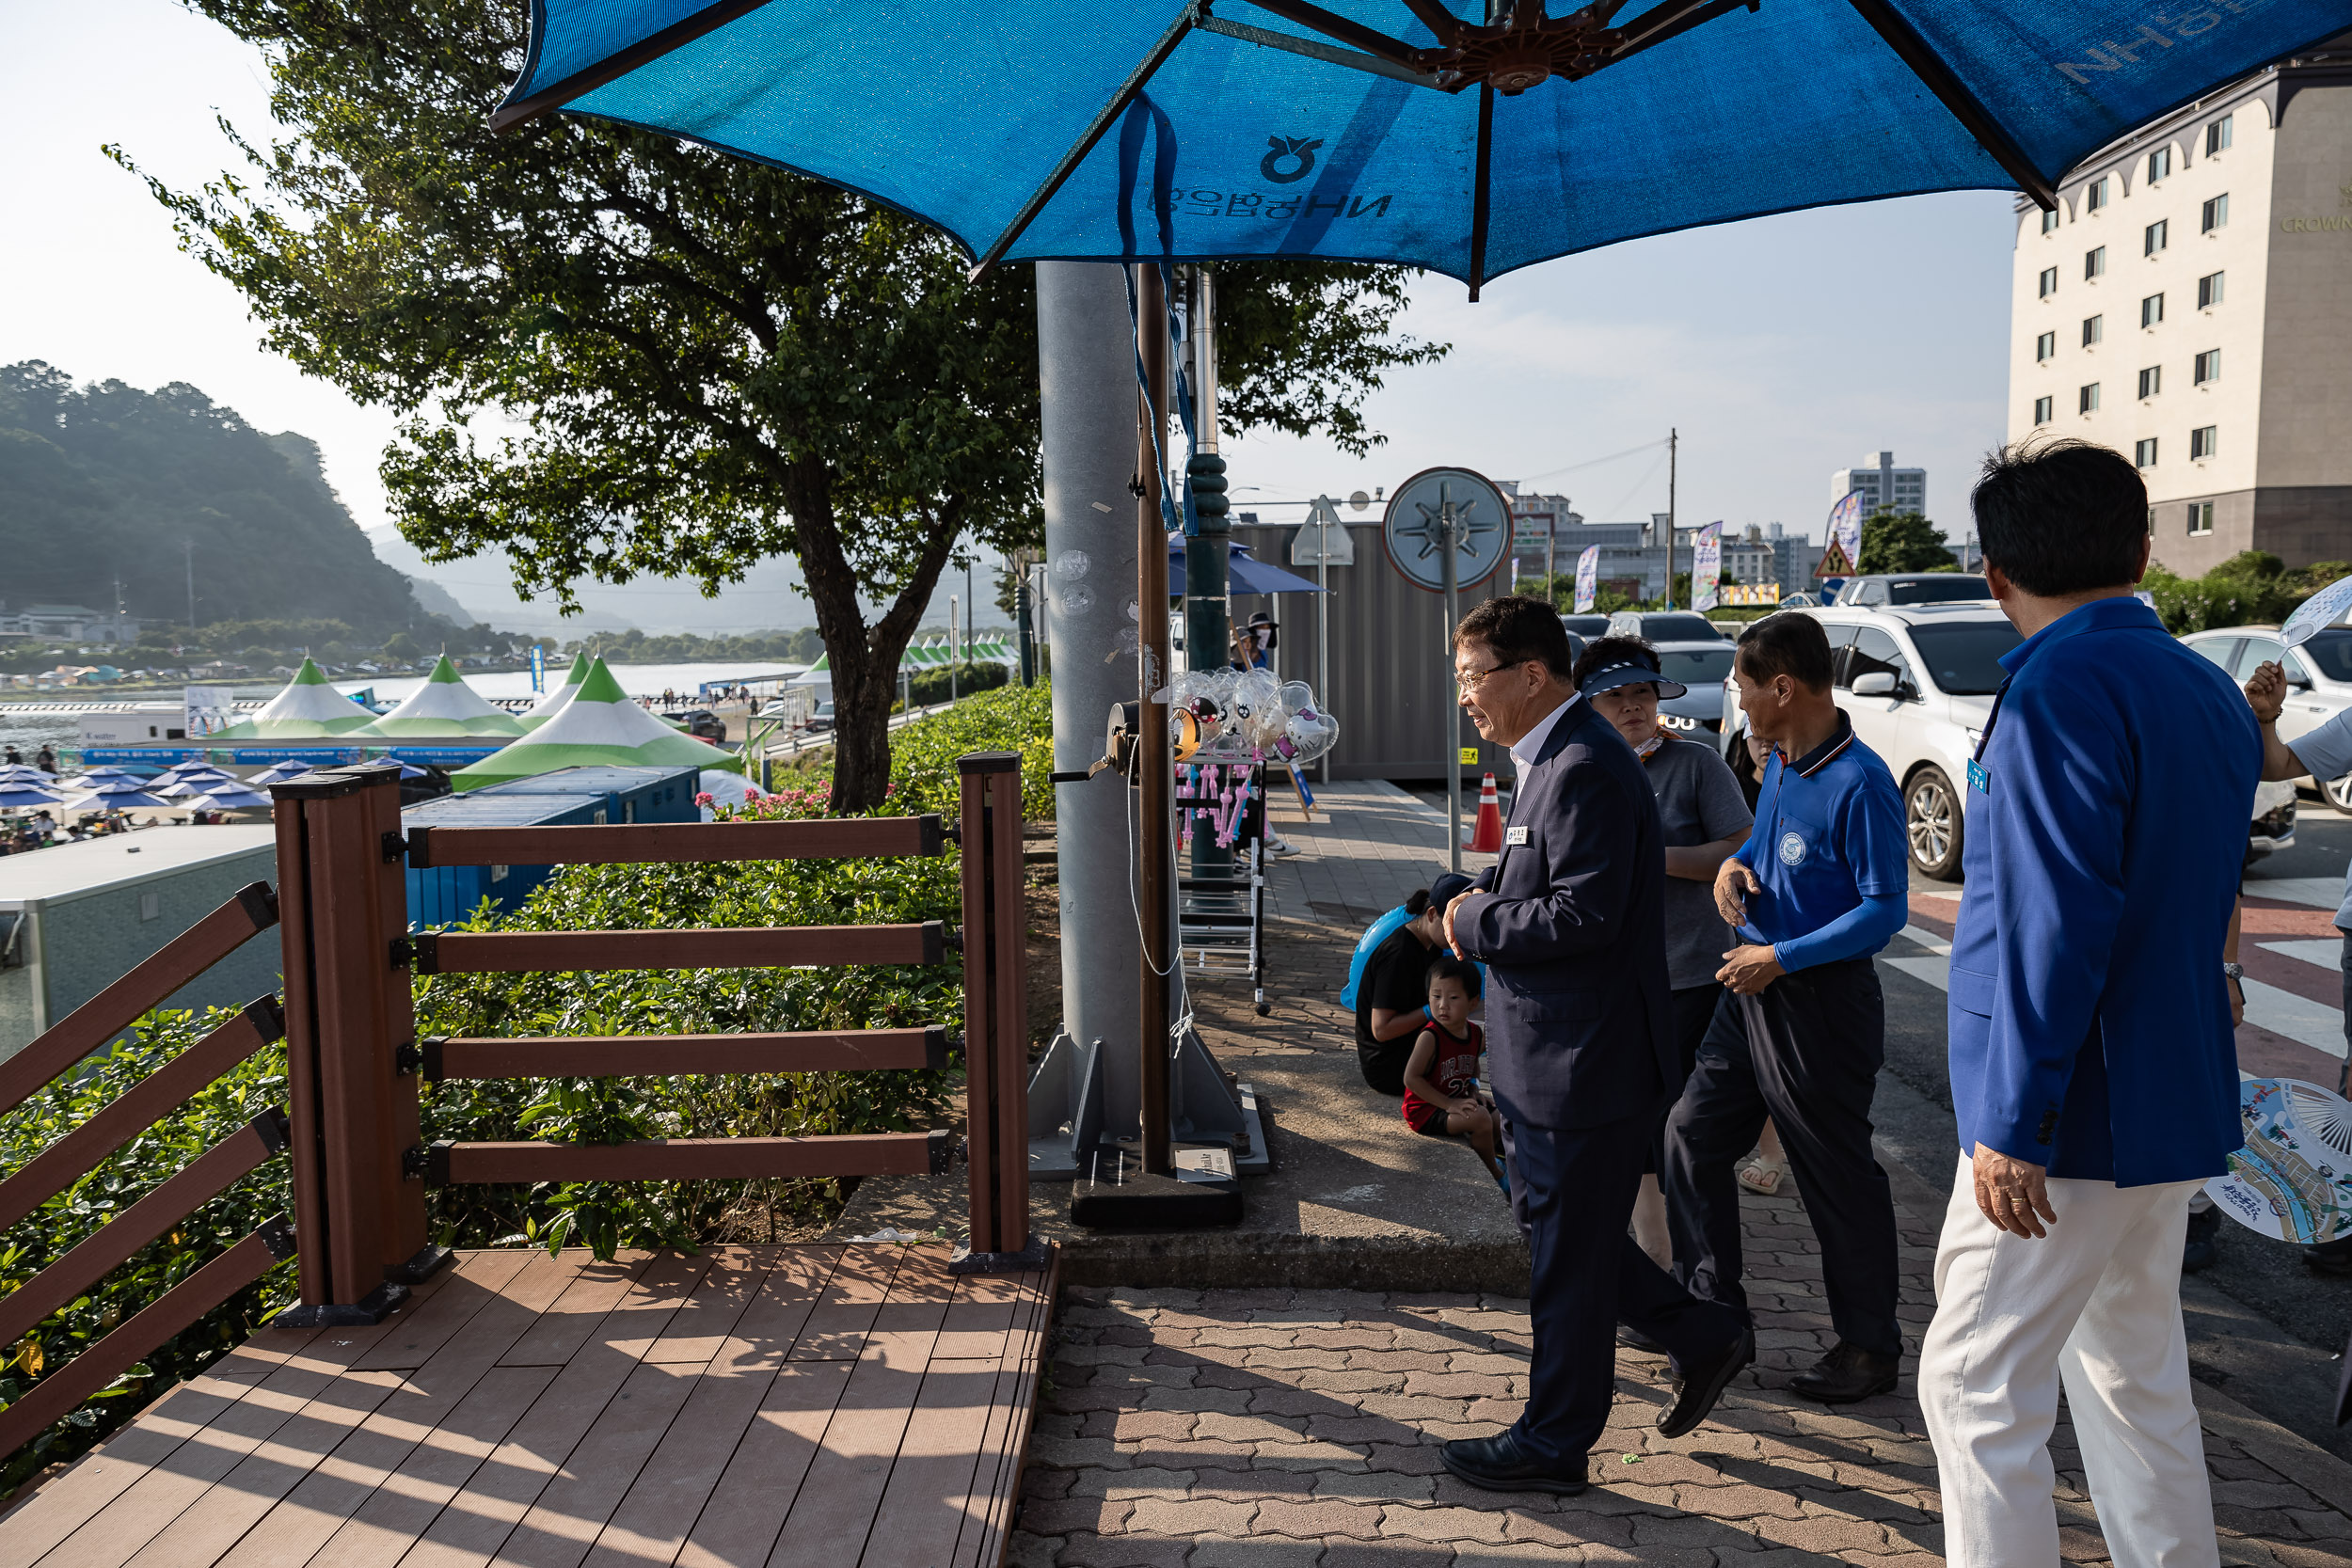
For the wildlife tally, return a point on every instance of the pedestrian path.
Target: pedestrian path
(1368, 845)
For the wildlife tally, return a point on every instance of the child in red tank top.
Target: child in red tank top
(1441, 1077)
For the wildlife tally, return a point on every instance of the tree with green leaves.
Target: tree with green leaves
(1902, 542)
(616, 354)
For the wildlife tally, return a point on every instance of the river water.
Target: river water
(29, 732)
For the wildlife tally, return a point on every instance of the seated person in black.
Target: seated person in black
(1392, 998)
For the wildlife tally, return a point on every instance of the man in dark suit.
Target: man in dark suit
(1570, 923)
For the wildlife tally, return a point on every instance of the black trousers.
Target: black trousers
(1806, 1053)
(1572, 1193)
(1694, 1014)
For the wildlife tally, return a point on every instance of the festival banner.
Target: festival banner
(1707, 566)
(1845, 538)
(1587, 579)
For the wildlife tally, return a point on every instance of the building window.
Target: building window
(2095, 261)
(2050, 221)
(2087, 401)
(2217, 137)
(2042, 410)
(2049, 281)
(2045, 348)
(2201, 444)
(2144, 454)
(2159, 233)
(2151, 381)
(2095, 193)
(2209, 291)
(2159, 164)
(2151, 310)
(2216, 213)
(2094, 329)
(2208, 367)
(2200, 518)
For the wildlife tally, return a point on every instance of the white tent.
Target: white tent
(601, 726)
(548, 707)
(445, 705)
(308, 709)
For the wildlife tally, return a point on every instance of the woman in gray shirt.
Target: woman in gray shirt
(1706, 818)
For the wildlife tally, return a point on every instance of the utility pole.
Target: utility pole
(1551, 560)
(1154, 769)
(1672, 441)
(190, 546)
(1448, 536)
(1326, 514)
(951, 647)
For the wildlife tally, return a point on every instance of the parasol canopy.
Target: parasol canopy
(1244, 573)
(309, 710)
(1465, 136)
(445, 705)
(601, 726)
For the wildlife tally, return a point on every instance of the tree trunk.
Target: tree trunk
(864, 662)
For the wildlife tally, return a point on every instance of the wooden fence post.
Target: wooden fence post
(354, 1019)
(995, 1018)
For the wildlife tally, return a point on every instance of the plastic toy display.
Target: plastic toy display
(1245, 715)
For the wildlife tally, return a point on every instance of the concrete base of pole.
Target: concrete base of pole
(1219, 1130)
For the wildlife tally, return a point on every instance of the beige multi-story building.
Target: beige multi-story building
(2189, 304)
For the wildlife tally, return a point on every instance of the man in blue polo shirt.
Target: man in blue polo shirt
(1821, 885)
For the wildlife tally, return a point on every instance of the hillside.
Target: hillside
(107, 483)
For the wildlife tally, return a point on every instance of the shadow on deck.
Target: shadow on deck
(830, 1405)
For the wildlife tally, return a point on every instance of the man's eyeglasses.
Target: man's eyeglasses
(1465, 684)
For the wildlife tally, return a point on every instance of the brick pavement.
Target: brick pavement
(1297, 1429)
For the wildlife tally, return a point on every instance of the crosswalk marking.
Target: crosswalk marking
(2322, 951)
(2299, 1018)
(1929, 940)
(2320, 893)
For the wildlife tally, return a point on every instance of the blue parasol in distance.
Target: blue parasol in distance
(1244, 573)
(1469, 136)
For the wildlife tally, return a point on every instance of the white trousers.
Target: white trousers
(2096, 1302)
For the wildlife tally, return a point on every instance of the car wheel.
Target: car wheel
(2339, 793)
(1931, 821)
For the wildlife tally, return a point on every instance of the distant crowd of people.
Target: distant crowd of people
(1673, 968)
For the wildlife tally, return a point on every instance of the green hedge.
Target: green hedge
(1011, 719)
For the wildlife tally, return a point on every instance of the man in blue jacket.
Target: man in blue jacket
(2093, 1068)
(1570, 922)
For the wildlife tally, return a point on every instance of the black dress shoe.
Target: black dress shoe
(1498, 1463)
(1699, 1386)
(1845, 1374)
(1633, 1339)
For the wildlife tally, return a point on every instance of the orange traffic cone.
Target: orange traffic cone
(1487, 838)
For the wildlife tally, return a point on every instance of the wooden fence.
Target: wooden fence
(351, 1127)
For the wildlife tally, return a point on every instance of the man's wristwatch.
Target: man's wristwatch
(2235, 971)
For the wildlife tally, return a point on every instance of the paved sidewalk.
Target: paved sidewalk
(1279, 1428)
(1370, 845)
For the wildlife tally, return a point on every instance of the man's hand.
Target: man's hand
(2013, 1194)
(1749, 970)
(1459, 899)
(1734, 882)
(2266, 691)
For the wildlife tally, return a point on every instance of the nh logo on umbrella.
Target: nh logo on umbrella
(1300, 148)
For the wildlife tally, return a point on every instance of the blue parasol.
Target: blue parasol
(1244, 573)
(1391, 129)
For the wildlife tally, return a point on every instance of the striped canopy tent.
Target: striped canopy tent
(548, 705)
(445, 705)
(308, 709)
(601, 726)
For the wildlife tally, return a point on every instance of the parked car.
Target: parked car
(1917, 682)
(1703, 668)
(822, 718)
(1586, 627)
(2319, 681)
(1659, 627)
(1913, 588)
(704, 724)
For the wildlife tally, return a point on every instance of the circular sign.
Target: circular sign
(1438, 505)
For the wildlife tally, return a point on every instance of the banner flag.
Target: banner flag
(1845, 538)
(1587, 579)
(1707, 566)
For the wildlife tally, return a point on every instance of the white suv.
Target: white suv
(1917, 681)
(2319, 681)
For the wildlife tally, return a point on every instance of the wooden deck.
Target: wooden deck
(836, 1407)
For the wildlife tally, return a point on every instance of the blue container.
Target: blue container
(439, 894)
(633, 794)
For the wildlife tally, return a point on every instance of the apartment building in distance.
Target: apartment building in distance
(1882, 485)
(2189, 304)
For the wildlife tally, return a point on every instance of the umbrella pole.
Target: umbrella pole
(1153, 767)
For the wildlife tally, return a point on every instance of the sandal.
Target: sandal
(1763, 1176)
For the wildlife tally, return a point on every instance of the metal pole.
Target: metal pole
(1325, 512)
(1087, 391)
(1154, 768)
(1024, 629)
(1451, 723)
(951, 647)
(1208, 571)
(1670, 443)
(1551, 561)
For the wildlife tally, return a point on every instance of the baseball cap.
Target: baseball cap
(1630, 671)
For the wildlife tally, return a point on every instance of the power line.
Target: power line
(1591, 462)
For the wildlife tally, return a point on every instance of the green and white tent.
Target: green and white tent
(445, 705)
(309, 710)
(547, 706)
(601, 726)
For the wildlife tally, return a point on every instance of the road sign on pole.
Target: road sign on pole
(1447, 527)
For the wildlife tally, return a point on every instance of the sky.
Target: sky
(1781, 349)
